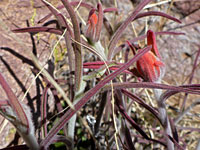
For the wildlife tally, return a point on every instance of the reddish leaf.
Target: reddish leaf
(13, 101)
(156, 13)
(99, 23)
(38, 29)
(64, 119)
(123, 26)
(77, 46)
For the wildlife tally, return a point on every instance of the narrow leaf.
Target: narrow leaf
(38, 29)
(99, 23)
(151, 85)
(136, 126)
(13, 101)
(77, 47)
(190, 89)
(43, 109)
(60, 124)
(132, 122)
(123, 26)
(141, 102)
(111, 9)
(125, 130)
(156, 13)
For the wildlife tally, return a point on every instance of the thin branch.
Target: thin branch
(188, 109)
(191, 77)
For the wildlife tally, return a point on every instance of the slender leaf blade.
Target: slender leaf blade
(60, 124)
(123, 26)
(38, 29)
(13, 101)
(156, 13)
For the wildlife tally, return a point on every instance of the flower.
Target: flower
(150, 65)
(91, 25)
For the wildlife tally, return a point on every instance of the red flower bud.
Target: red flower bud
(91, 24)
(150, 66)
(151, 40)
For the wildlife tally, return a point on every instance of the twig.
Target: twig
(189, 108)
(191, 77)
